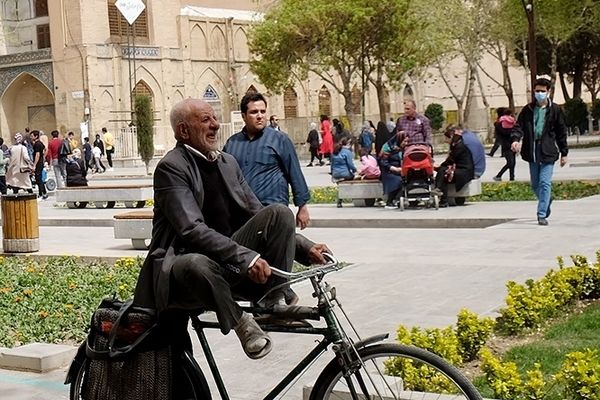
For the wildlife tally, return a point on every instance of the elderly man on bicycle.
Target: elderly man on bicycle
(211, 238)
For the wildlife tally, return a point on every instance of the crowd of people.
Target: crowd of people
(381, 150)
(26, 163)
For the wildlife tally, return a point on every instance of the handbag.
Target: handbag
(127, 359)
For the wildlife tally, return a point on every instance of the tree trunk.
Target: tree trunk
(470, 90)
(563, 87)
(380, 87)
(553, 67)
(508, 87)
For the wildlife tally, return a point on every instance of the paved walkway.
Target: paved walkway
(399, 276)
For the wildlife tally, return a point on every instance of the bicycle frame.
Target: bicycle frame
(332, 334)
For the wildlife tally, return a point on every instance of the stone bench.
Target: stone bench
(134, 225)
(473, 188)
(362, 192)
(134, 196)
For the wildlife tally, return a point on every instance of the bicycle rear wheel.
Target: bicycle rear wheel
(389, 371)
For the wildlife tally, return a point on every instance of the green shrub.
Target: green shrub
(435, 113)
(529, 305)
(472, 333)
(575, 112)
(596, 109)
(580, 375)
(503, 377)
(442, 342)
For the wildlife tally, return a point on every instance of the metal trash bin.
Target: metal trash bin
(20, 224)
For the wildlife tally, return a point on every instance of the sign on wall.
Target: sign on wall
(131, 9)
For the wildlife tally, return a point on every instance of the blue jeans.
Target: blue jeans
(541, 184)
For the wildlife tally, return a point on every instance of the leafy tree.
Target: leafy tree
(337, 40)
(297, 37)
(145, 134)
(435, 113)
(596, 109)
(575, 113)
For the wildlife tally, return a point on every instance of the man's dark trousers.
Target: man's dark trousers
(199, 282)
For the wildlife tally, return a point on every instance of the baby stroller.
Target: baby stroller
(50, 182)
(417, 177)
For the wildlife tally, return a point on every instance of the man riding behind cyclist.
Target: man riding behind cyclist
(212, 240)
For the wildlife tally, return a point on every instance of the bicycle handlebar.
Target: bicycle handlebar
(331, 265)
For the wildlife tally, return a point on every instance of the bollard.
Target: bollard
(20, 226)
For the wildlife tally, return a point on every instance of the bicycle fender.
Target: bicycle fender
(370, 340)
(76, 364)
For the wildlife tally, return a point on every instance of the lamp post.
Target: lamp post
(532, 51)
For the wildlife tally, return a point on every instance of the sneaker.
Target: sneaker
(255, 342)
(542, 221)
(45, 197)
(390, 207)
(549, 210)
(310, 165)
(497, 178)
(110, 169)
(321, 163)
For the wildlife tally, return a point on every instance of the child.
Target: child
(507, 120)
(370, 169)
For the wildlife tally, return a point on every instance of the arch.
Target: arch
(27, 102)
(103, 108)
(176, 97)
(218, 47)
(324, 101)
(240, 45)
(290, 103)
(356, 96)
(198, 43)
(143, 74)
(210, 79)
(251, 89)
(142, 89)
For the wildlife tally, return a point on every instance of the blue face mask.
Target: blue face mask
(541, 96)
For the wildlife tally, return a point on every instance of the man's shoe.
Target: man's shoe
(321, 163)
(255, 342)
(309, 165)
(542, 221)
(549, 210)
(497, 178)
(291, 298)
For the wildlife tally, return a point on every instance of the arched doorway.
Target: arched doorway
(290, 103)
(324, 101)
(27, 102)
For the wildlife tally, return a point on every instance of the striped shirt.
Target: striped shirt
(417, 130)
(269, 164)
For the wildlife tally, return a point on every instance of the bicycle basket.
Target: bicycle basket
(126, 360)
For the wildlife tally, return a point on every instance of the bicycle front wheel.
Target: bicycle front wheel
(393, 371)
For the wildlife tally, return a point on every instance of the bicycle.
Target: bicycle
(359, 369)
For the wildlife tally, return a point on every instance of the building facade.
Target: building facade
(76, 66)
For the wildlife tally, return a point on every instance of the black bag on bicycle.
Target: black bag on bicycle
(126, 358)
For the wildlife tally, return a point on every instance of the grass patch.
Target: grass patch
(578, 332)
(51, 300)
(493, 191)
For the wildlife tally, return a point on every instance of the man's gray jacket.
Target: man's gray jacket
(178, 226)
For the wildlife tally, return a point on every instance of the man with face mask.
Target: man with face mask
(541, 137)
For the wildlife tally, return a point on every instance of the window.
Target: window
(43, 36)
(290, 103)
(41, 8)
(324, 101)
(119, 27)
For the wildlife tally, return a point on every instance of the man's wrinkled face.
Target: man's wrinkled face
(410, 110)
(200, 129)
(256, 116)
